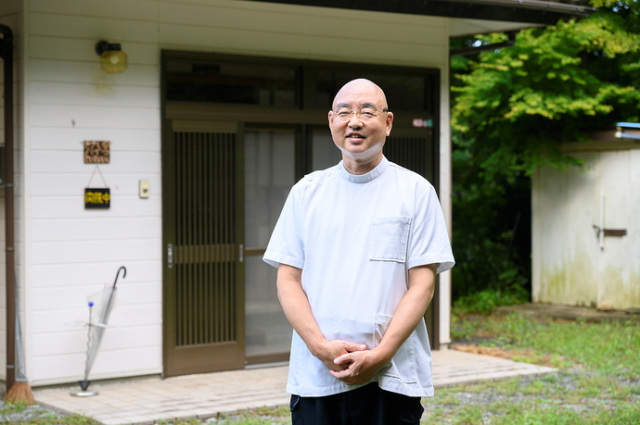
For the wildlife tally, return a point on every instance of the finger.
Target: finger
(339, 374)
(337, 367)
(350, 347)
(343, 359)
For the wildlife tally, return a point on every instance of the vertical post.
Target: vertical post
(6, 52)
(601, 233)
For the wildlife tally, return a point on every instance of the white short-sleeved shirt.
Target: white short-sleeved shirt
(355, 237)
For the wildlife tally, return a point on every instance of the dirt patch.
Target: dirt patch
(511, 354)
(485, 351)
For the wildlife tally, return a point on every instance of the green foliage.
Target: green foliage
(491, 236)
(483, 302)
(553, 85)
(512, 109)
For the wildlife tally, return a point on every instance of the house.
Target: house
(175, 164)
(586, 233)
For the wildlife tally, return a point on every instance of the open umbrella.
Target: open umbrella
(97, 329)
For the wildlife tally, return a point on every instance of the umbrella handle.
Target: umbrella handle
(124, 269)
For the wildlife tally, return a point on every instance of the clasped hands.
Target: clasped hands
(352, 363)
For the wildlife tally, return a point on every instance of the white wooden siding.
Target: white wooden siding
(67, 252)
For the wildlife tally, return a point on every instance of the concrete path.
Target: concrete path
(145, 401)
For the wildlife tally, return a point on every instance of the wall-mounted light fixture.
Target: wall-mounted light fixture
(628, 130)
(112, 59)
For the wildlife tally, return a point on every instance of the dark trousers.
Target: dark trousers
(368, 405)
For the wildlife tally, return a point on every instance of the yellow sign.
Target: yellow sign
(97, 198)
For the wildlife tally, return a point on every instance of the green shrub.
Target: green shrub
(483, 302)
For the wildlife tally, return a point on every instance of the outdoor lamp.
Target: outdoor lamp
(112, 59)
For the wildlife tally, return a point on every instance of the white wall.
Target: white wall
(70, 252)
(569, 265)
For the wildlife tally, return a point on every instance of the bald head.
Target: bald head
(364, 88)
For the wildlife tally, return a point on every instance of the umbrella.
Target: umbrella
(97, 329)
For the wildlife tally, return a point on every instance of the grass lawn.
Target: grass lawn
(597, 382)
(598, 378)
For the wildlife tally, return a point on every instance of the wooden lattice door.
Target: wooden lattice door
(203, 233)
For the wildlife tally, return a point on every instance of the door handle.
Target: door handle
(170, 256)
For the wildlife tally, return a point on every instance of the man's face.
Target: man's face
(360, 136)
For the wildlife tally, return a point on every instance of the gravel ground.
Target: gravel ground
(563, 388)
(28, 414)
(564, 385)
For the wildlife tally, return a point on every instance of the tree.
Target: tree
(512, 109)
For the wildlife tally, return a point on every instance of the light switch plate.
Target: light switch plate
(144, 189)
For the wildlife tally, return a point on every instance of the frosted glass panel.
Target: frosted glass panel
(269, 175)
(267, 330)
(324, 151)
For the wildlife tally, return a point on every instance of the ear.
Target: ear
(389, 122)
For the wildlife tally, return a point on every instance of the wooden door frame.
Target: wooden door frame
(200, 359)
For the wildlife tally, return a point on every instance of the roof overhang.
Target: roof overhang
(470, 16)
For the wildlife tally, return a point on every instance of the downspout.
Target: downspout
(6, 52)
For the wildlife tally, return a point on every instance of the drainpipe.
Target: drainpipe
(6, 52)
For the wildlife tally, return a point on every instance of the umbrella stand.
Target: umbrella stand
(95, 332)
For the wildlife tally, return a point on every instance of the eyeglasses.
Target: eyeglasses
(365, 114)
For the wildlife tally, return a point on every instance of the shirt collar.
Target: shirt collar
(364, 178)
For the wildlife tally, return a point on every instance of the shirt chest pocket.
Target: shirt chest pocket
(389, 239)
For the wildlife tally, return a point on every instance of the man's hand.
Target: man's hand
(330, 350)
(358, 367)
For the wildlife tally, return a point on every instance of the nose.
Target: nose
(354, 120)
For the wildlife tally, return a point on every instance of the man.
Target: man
(357, 248)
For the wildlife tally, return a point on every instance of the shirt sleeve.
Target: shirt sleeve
(285, 245)
(429, 240)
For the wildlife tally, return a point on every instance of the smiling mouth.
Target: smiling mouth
(355, 136)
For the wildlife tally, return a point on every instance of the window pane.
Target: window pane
(324, 152)
(228, 82)
(403, 91)
(269, 175)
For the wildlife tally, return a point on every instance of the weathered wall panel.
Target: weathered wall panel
(572, 265)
